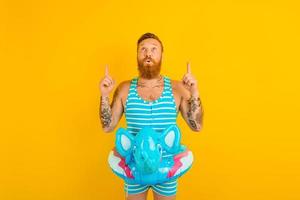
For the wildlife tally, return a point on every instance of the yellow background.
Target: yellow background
(245, 55)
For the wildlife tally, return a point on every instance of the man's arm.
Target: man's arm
(110, 115)
(191, 108)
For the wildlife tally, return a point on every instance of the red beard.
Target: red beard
(150, 70)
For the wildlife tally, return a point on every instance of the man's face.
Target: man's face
(149, 58)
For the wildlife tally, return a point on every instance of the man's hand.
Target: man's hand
(105, 112)
(191, 107)
(107, 84)
(190, 82)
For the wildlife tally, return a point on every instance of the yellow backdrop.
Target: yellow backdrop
(245, 55)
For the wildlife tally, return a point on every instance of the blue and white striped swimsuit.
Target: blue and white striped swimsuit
(158, 114)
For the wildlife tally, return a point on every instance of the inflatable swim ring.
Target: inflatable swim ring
(149, 157)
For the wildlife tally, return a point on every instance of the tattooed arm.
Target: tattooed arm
(105, 113)
(110, 114)
(191, 108)
(195, 113)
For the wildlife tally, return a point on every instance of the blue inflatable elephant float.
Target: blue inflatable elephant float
(149, 157)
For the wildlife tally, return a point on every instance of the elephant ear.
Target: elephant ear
(170, 139)
(124, 142)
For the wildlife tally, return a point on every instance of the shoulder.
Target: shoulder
(124, 85)
(177, 85)
(179, 88)
(123, 88)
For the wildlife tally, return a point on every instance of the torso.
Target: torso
(151, 94)
(156, 110)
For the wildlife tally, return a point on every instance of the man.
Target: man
(150, 99)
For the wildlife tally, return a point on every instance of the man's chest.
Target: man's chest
(152, 94)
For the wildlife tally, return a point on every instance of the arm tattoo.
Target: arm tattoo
(195, 112)
(105, 112)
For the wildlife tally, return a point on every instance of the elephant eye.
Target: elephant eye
(134, 149)
(159, 148)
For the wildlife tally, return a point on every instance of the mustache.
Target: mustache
(148, 58)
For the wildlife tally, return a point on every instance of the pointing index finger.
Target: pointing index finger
(106, 70)
(189, 68)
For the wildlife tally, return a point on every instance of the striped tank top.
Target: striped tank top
(158, 114)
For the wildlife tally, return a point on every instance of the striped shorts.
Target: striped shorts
(165, 189)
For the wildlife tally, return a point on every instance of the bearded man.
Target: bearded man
(150, 99)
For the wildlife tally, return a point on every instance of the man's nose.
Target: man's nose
(148, 53)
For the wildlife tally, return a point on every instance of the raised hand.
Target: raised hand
(189, 81)
(106, 84)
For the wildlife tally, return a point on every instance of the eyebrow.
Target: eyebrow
(153, 43)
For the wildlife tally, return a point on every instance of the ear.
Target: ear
(170, 139)
(124, 142)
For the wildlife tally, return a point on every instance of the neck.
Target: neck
(150, 81)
